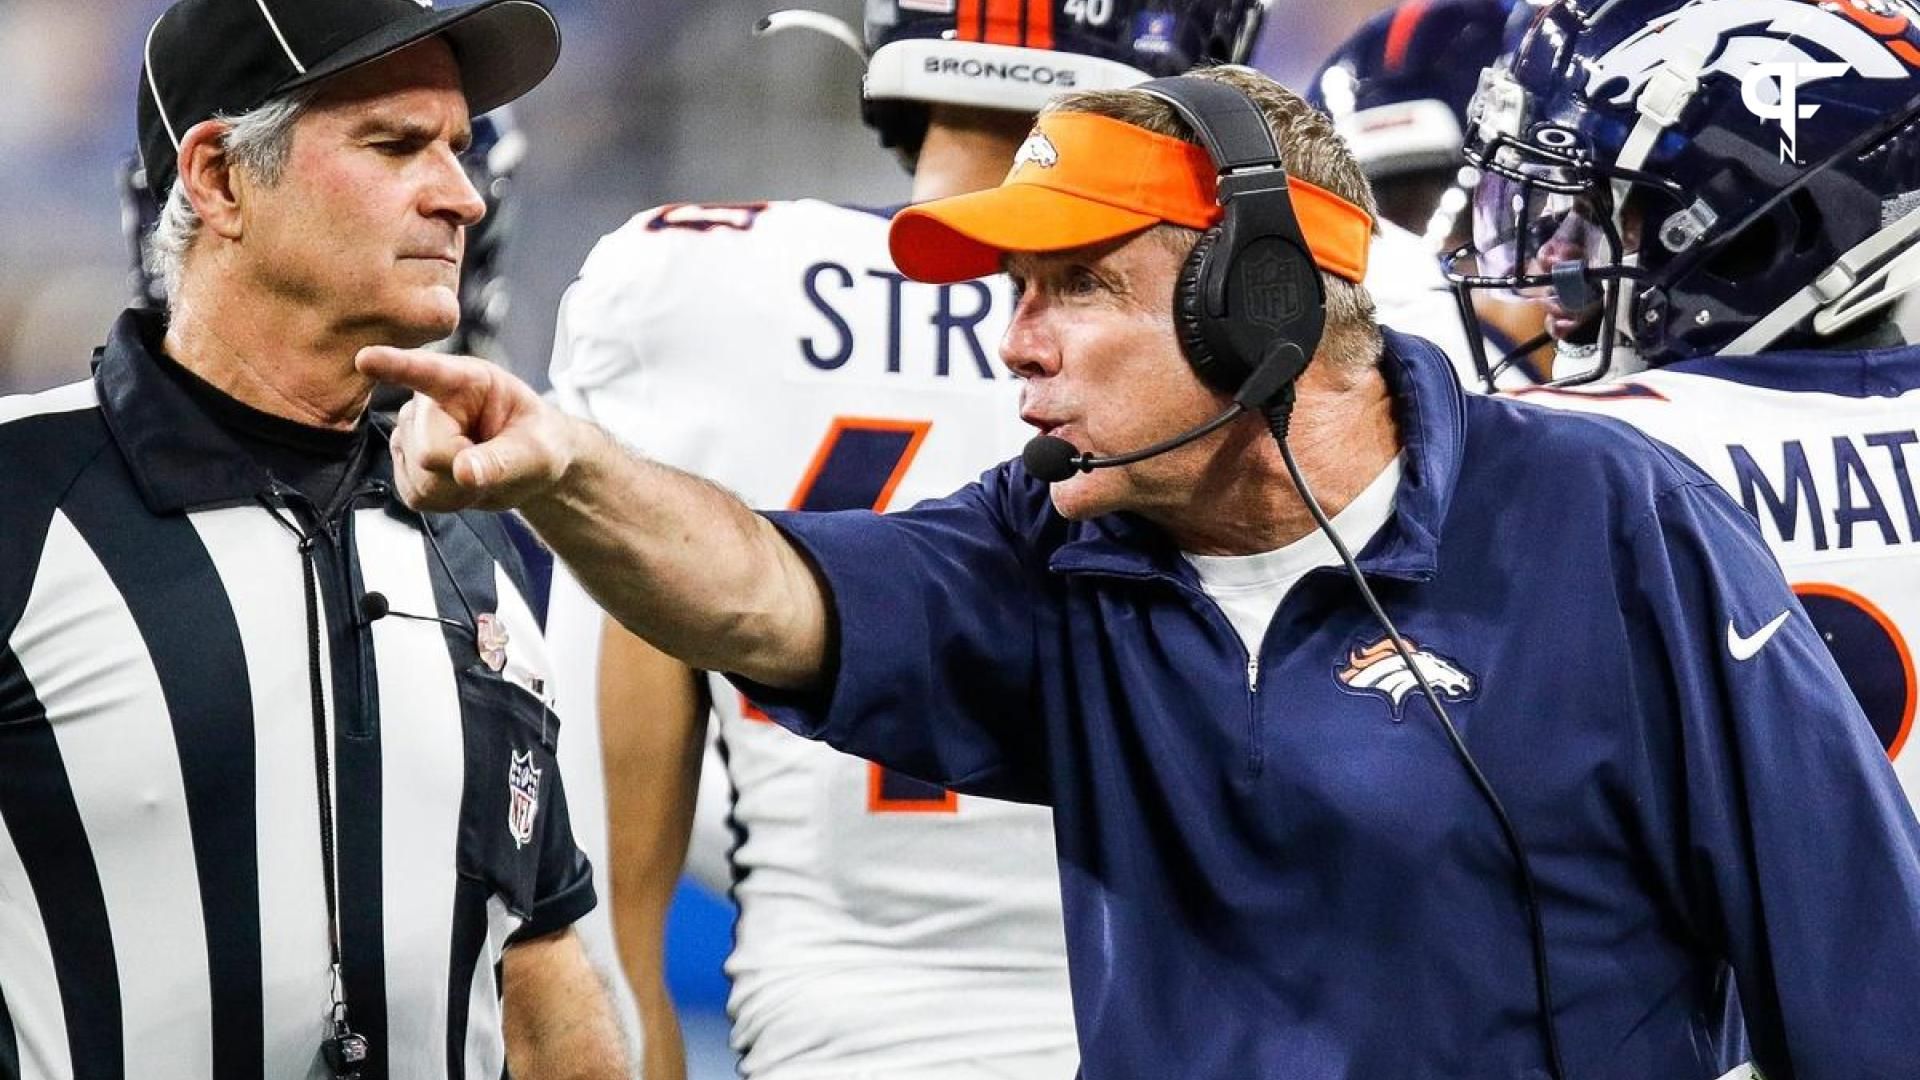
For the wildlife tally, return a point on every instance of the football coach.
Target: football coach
(277, 783)
(1583, 763)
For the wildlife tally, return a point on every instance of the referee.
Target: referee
(277, 783)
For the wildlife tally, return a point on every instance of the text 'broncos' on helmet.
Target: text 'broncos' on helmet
(1015, 54)
(1680, 178)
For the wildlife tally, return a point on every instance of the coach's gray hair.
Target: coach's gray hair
(259, 141)
(1312, 151)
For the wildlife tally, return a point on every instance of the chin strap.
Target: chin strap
(817, 21)
(1875, 292)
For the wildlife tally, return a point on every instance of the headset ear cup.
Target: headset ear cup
(1189, 311)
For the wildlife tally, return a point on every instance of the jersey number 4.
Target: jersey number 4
(858, 466)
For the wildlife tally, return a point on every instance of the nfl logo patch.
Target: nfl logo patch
(523, 797)
(1275, 295)
(1153, 33)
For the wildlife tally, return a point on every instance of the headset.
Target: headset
(1250, 310)
(1249, 294)
(1249, 306)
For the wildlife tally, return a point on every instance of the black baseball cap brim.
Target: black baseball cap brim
(504, 48)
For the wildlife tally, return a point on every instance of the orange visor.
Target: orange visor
(1082, 179)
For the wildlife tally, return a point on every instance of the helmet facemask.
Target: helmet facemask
(1630, 176)
(1554, 229)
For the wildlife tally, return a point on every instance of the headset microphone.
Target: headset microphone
(1052, 459)
(373, 607)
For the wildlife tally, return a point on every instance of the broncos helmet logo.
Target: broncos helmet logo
(1378, 669)
(1707, 28)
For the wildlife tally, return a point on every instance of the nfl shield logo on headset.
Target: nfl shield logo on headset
(523, 805)
(1275, 295)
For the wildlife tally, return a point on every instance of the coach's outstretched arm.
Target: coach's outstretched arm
(677, 560)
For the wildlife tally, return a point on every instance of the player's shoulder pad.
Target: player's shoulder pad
(674, 234)
(703, 217)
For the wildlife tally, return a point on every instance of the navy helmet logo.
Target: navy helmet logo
(1773, 48)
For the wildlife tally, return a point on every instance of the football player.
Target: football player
(1717, 199)
(887, 928)
(1397, 90)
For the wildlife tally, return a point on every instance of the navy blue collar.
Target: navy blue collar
(885, 213)
(1429, 409)
(1888, 372)
(179, 456)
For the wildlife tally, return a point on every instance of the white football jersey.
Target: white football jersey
(1411, 295)
(887, 927)
(1822, 450)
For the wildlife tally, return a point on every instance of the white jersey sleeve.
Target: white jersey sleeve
(887, 928)
(1830, 477)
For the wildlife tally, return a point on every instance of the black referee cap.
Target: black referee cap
(229, 56)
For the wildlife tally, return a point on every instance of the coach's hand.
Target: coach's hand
(473, 436)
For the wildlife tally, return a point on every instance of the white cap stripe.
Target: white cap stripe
(159, 104)
(281, 38)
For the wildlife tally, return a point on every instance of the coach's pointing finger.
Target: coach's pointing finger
(460, 384)
(473, 436)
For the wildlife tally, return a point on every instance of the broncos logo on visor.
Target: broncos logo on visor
(1038, 149)
(1378, 669)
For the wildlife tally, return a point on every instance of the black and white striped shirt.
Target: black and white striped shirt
(162, 911)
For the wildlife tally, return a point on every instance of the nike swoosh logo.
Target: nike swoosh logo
(1744, 648)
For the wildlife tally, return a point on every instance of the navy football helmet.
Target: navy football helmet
(1398, 89)
(139, 213)
(497, 150)
(499, 146)
(999, 54)
(1679, 178)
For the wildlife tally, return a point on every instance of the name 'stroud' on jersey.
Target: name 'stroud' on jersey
(1853, 490)
(872, 320)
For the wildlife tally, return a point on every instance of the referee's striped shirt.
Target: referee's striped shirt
(162, 913)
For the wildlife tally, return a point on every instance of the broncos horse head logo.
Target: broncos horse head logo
(1038, 149)
(1734, 37)
(1379, 669)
